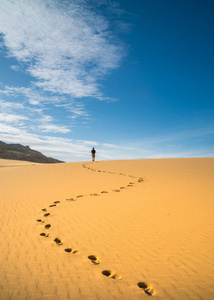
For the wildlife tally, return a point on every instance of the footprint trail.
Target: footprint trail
(95, 260)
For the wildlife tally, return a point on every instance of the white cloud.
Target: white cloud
(118, 147)
(32, 95)
(32, 119)
(11, 118)
(5, 105)
(88, 143)
(10, 130)
(53, 128)
(66, 46)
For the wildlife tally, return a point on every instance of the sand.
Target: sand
(109, 230)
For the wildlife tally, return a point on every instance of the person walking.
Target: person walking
(93, 151)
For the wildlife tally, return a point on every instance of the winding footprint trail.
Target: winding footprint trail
(95, 260)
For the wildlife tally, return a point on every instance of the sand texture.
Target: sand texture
(107, 230)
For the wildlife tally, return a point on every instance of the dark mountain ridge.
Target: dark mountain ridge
(20, 152)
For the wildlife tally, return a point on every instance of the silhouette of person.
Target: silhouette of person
(93, 151)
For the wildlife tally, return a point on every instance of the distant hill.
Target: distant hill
(20, 152)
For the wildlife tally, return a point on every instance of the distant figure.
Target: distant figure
(93, 151)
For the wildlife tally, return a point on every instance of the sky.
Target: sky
(131, 78)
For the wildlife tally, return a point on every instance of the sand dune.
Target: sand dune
(107, 230)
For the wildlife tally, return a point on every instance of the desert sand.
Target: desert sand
(107, 230)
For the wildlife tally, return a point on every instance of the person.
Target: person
(93, 151)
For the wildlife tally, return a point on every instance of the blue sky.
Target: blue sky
(134, 79)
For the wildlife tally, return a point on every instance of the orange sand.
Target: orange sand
(157, 231)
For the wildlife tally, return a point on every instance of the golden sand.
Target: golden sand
(140, 228)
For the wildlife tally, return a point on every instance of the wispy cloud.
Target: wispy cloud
(53, 128)
(64, 45)
(66, 48)
(11, 118)
(31, 119)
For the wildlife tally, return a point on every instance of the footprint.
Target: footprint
(94, 195)
(117, 276)
(52, 205)
(45, 234)
(140, 179)
(130, 185)
(70, 250)
(147, 287)
(117, 191)
(48, 226)
(104, 192)
(94, 259)
(79, 196)
(122, 187)
(111, 274)
(58, 241)
(44, 209)
(46, 215)
(39, 220)
(70, 199)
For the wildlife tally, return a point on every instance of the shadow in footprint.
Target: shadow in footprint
(111, 274)
(39, 220)
(44, 234)
(104, 192)
(56, 201)
(140, 179)
(147, 287)
(79, 196)
(94, 259)
(46, 215)
(48, 226)
(117, 191)
(44, 209)
(70, 250)
(52, 205)
(58, 241)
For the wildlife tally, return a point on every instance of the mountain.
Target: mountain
(20, 152)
